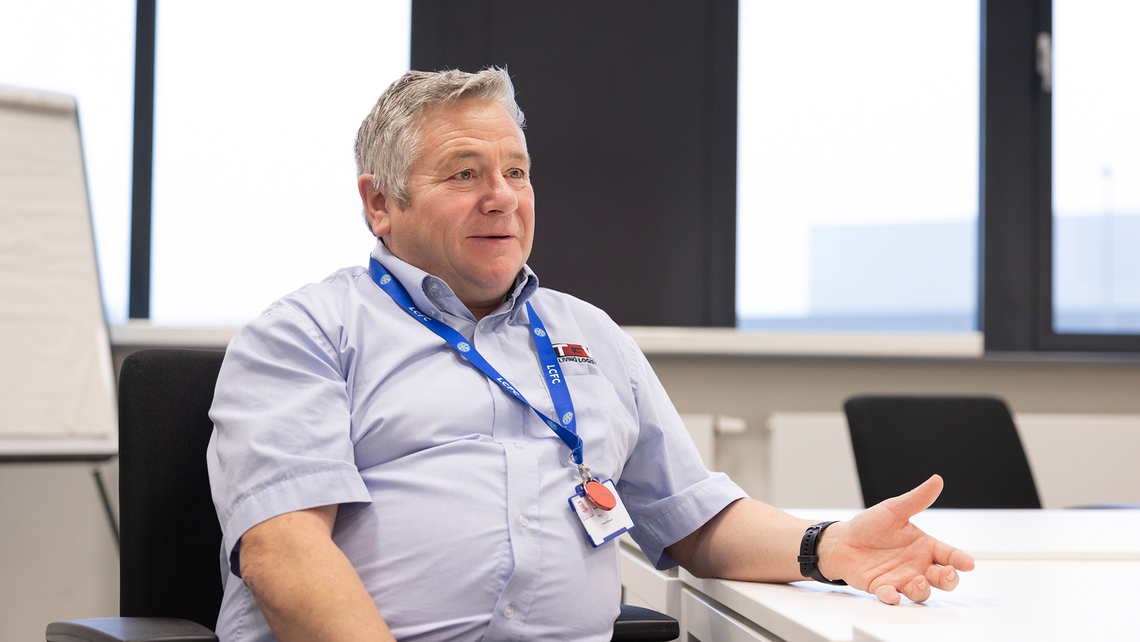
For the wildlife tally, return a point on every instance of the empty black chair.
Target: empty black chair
(170, 587)
(169, 573)
(900, 441)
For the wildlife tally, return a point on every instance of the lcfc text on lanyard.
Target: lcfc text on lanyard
(566, 428)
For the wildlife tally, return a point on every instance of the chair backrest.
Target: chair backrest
(972, 442)
(170, 535)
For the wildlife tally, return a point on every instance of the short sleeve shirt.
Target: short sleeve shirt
(452, 494)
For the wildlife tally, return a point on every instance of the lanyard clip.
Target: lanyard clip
(585, 473)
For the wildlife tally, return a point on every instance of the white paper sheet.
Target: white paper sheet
(56, 376)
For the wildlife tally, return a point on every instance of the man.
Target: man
(385, 464)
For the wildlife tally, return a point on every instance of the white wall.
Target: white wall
(1076, 459)
(755, 387)
(58, 558)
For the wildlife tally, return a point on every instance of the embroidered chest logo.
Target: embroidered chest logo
(573, 352)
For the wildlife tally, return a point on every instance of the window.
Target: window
(254, 177)
(85, 49)
(1096, 167)
(858, 165)
(861, 144)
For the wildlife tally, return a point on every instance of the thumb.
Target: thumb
(917, 500)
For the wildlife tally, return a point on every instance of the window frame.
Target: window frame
(1017, 190)
(138, 289)
(1048, 337)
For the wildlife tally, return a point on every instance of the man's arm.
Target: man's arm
(879, 551)
(303, 583)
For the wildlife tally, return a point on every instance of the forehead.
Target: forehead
(467, 125)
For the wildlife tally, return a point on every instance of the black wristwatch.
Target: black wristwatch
(809, 560)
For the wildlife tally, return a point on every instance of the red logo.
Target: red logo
(571, 350)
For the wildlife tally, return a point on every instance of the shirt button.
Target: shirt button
(519, 446)
(508, 611)
(433, 286)
(524, 521)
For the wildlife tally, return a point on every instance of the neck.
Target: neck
(481, 310)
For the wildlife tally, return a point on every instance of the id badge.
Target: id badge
(601, 525)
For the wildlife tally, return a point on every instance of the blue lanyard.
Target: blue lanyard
(556, 383)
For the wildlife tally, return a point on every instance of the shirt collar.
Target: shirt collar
(430, 293)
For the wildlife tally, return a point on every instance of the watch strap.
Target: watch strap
(809, 558)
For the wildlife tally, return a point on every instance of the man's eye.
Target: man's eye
(516, 173)
(465, 175)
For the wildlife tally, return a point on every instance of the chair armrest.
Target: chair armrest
(129, 629)
(636, 623)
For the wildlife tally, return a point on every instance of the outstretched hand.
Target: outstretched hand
(881, 552)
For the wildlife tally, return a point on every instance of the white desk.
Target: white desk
(646, 586)
(999, 600)
(1086, 534)
(1041, 575)
(1022, 601)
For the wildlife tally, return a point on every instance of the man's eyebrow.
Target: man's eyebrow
(471, 153)
(460, 155)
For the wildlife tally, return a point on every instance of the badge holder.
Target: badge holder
(598, 506)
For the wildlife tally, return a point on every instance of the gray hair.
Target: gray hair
(388, 141)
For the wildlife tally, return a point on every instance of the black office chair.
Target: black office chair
(900, 441)
(170, 589)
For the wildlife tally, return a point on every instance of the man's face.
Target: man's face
(470, 219)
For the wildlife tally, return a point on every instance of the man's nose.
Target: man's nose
(500, 197)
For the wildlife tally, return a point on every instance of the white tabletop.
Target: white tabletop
(1067, 534)
(1021, 601)
(999, 600)
(1041, 574)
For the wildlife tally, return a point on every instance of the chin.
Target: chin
(497, 278)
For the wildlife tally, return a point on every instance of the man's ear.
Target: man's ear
(375, 206)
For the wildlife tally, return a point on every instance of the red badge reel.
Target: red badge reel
(598, 506)
(599, 495)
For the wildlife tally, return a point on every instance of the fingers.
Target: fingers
(916, 590)
(887, 594)
(944, 578)
(962, 560)
(947, 555)
(917, 500)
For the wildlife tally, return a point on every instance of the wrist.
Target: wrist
(826, 550)
(812, 554)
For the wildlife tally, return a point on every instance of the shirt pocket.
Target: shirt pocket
(607, 429)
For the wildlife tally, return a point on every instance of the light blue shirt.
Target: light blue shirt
(452, 494)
